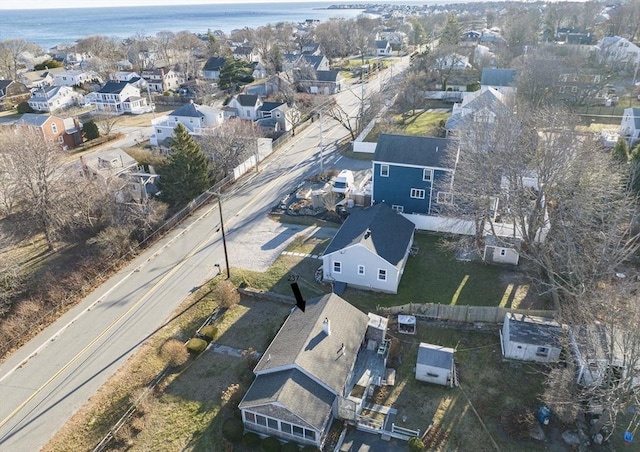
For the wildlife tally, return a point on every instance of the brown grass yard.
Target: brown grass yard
(491, 386)
(184, 412)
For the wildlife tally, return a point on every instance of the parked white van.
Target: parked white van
(343, 182)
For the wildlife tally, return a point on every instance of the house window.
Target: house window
(310, 434)
(503, 252)
(60, 139)
(54, 128)
(444, 197)
(272, 423)
(432, 375)
(384, 170)
(427, 174)
(382, 274)
(261, 420)
(542, 352)
(286, 428)
(298, 431)
(337, 267)
(249, 113)
(250, 417)
(397, 208)
(159, 131)
(361, 270)
(574, 89)
(417, 193)
(563, 89)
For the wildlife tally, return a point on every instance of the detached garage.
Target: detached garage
(435, 365)
(530, 338)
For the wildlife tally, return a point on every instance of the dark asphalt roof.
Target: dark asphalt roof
(527, 329)
(411, 150)
(498, 77)
(113, 87)
(301, 342)
(290, 396)
(381, 229)
(187, 110)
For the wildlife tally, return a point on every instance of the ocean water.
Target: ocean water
(50, 27)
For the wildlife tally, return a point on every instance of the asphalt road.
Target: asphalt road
(51, 377)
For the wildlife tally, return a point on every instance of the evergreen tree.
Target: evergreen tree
(452, 31)
(235, 72)
(91, 131)
(185, 175)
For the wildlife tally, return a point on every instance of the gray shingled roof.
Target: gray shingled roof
(214, 64)
(270, 106)
(34, 119)
(247, 100)
(290, 396)
(498, 77)
(381, 44)
(411, 150)
(327, 76)
(527, 329)
(302, 343)
(435, 356)
(381, 229)
(189, 110)
(113, 87)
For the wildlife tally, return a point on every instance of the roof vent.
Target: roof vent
(326, 327)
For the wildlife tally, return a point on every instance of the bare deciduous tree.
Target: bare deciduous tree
(47, 193)
(107, 122)
(10, 52)
(230, 144)
(536, 176)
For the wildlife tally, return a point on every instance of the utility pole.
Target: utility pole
(321, 146)
(224, 239)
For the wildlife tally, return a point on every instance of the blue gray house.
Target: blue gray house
(406, 172)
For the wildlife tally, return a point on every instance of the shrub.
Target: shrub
(24, 107)
(290, 447)
(415, 444)
(226, 294)
(196, 345)
(232, 429)
(271, 444)
(251, 439)
(174, 353)
(91, 131)
(231, 396)
(209, 332)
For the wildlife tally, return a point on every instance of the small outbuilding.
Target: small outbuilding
(435, 365)
(530, 338)
(406, 324)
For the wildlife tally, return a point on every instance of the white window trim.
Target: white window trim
(384, 170)
(417, 193)
(382, 271)
(361, 270)
(427, 175)
(397, 208)
(338, 265)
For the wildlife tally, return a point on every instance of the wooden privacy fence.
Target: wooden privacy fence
(470, 314)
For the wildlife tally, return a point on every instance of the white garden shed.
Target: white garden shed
(531, 338)
(435, 364)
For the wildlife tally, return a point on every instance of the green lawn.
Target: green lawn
(434, 276)
(422, 123)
